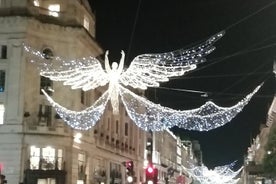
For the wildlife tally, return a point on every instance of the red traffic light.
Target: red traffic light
(129, 164)
(151, 174)
(150, 169)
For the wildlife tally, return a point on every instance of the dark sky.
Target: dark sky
(243, 59)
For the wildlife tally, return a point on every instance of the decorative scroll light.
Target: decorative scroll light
(146, 70)
(218, 175)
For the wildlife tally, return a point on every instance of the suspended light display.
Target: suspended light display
(218, 175)
(151, 116)
(146, 70)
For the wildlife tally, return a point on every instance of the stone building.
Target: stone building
(253, 171)
(171, 155)
(35, 144)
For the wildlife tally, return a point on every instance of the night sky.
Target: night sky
(243, 59)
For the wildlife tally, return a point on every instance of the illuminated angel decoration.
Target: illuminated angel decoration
(146, 70)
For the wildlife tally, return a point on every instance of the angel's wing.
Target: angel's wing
(84, 119)
(150, 116)
(147, 70)
(85, 73)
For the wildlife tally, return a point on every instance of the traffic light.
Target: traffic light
(149, 149)
(129, 170)
(151, 175)
(3, 179)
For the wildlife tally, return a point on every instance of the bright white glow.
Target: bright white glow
(218, 175)
(150, 182)
(34, 157)
(2, 113)
(86, 22)
(77, 137)
(146, 163)
(36, 3)
(54, 9)
(80, 182)
(269, 152)
(130, 179)
(146, 70)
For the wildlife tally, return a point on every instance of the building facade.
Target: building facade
(170, 156)
(36, 146)
(253, 172)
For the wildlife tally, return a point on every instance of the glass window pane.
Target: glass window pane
(3, 52)
(34, 157)
(2, 80)
(48, 158)
(42, 181)
(2, 112)
(52, 181)
(54, 9)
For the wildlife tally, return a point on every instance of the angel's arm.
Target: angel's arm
(121, 64)
(106, 62)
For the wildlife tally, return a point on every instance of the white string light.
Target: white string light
(218, 175)
(82, 120)
(146, 70)
(150, 116)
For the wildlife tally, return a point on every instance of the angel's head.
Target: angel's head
(114, 65)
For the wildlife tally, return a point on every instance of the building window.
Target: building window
(115, 171)
(34, 157)
(3, 52)
(117, 126)
(85, 98)
(46, 181)
(86, 22)
(2, 80)
(45, 114)
(82, 96)
(46, 84)
(126, 129)
(2, 112)
(81, 167)
(54, 9)
(48, 53)
(59, 159)
(46, 158)
(108, 124)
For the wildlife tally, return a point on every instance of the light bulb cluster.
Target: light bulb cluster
(150, 116)
(218, 175)
(81, 120)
